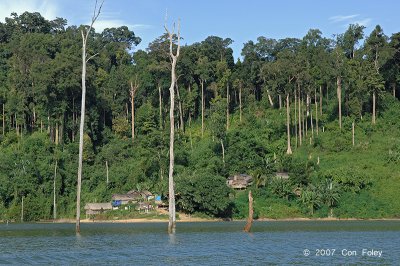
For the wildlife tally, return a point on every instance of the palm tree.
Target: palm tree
(330, 194)
(311, 197)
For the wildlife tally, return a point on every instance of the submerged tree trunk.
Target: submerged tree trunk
(289, 148)
(171, 190)
(85, 59)
(22, 210)
(249, 223)
(339, 95)
(54, 193)
(295, 118)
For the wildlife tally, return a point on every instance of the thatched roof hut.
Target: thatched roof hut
(96, 208)
(240, 181)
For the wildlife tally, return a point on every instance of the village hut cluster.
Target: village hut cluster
(143, 201)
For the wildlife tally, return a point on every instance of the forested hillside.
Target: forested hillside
(287, 105)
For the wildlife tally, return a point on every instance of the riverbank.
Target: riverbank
(185, 219)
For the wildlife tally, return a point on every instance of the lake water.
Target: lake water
(210, 243)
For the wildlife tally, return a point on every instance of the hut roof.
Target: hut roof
(283, 175)
(147, 193)
(123, 197)
(134, 194)
(98, 206)
(243, 177)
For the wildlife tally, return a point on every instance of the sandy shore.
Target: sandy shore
(185, 219)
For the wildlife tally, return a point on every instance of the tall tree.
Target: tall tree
(134, 88)
(85, 34)
(171, 190)
(377, 52)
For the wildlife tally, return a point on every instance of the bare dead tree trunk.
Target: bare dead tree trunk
(56, 139)
(73, 119)
(107, 180)
(393, 87)
(160, 105)
(312, 126)
(289, 148)
(249, 223)
(4, 121)
(133, 90)
(171, 190)
(22, 210)
(227, 106)
(182, 125)
(300, 134)
(127, 112)
(54, 193)
(270, 99)
(339, 95)
(373, 107)
(295, 117)
(202, 107)
(303, 120)
(316, 110)
(320, 100)
(85, 34)
(223, 152)
(280, 101)
(352, 131)
(240, 103)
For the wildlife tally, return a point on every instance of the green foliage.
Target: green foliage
(203, 192)
(40, 75)
(349, 178)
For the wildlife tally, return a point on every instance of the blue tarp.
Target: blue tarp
(158, 198)
(116, 203)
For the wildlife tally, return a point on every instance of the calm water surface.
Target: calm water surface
(211, 243)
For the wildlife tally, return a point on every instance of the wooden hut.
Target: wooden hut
(97, 208)
(240, 181)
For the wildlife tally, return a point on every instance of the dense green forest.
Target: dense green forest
(287, 105)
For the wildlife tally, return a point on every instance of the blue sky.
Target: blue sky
(238, 20)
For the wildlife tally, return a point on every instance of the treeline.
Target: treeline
(231, 117)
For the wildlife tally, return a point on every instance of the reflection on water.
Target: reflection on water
(211, 243)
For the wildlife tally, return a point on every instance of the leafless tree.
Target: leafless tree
(85, 34)
(171, 190)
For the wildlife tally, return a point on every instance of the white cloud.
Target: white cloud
(102, 24)
(350, 19)
(363, 22)
(340, 18)
(47, 8)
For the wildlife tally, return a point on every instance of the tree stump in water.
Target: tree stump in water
(250, 218)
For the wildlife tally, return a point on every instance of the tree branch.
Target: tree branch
(87, 60)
